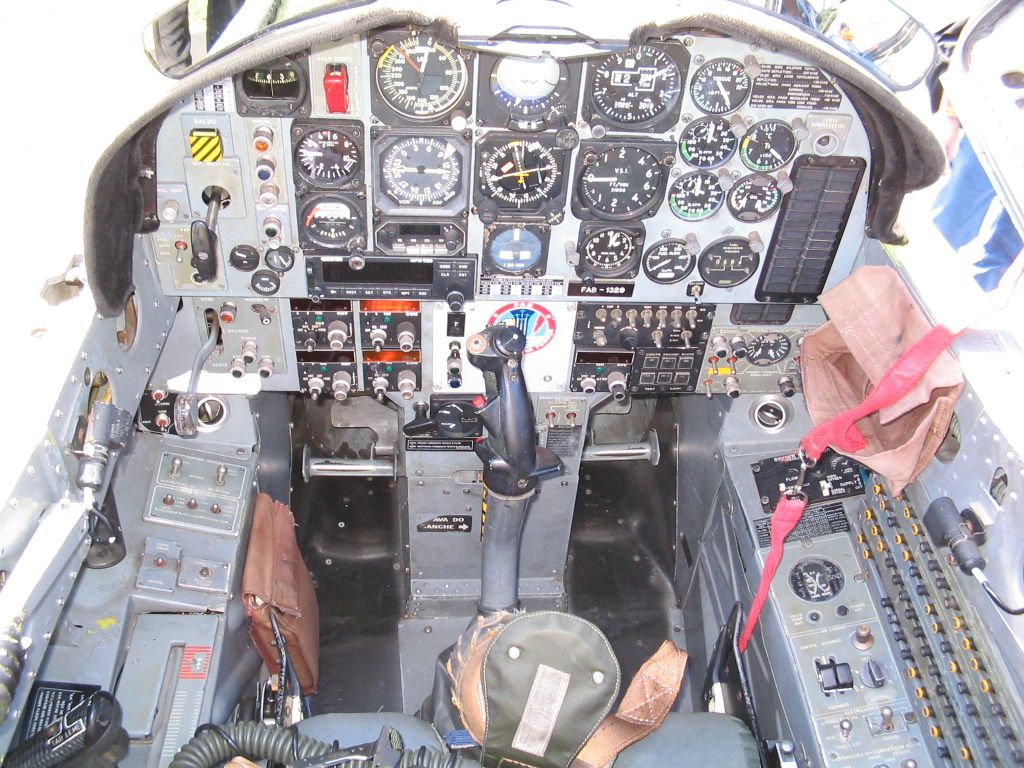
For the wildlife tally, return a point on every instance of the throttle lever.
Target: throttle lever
(204, 237)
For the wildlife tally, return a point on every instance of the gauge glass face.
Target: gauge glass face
(272, 84)
(728, 262)
(519, 173)
(529, 87)
(754, 197)
(421, 171)
(636, 85)
(330, 222)
(421, 78)
(610, 252)
(696, 196)
(515, 250)
(280, 259)
(621, 181)
(244, 258)
(769, 349)
(708, 142)
(720, 86)
(768, 146)
(668, 262)
(328, 157)
(816, 579)
(265, 283)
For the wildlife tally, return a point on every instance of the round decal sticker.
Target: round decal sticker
(534, 320)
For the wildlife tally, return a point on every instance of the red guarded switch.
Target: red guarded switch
(336, 87)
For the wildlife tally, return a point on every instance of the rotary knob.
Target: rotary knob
(337, 334)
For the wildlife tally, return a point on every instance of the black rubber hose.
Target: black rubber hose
(256, 741)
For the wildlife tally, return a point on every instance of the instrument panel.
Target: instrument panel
(402, 166)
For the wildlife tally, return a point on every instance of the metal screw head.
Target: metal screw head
(598, 676)
(514, 652)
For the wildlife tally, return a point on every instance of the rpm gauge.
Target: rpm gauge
(708, 142)
(420, 78)
(519, 174)
(728, 262)
(769, 349)
(611, 252)
(330, 221)
(620, 182)
(327, 157)
(529, 88)
(754, 197)
(668, 261)
(421, 171)
(696, 196)
(768, 145)
(636, 85)
(720, 86)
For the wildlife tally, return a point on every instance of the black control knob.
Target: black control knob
(617, 385)
(786, 386)
(739, 346)
(629, 338)
(872, 674)
(456, 299)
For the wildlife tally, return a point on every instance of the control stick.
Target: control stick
(513, 461)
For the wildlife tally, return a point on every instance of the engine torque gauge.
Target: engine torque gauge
(330, 221)
(668, 261)
(636, 85)
(519, 174)
(420, 78)
(620, 182)
(754, 197)
(768, 145)
(769, 349)
(327, 157)
(421, 171)
(696, 196)
(708, 142)
(720, 86)
(728, 262)
(611, 251)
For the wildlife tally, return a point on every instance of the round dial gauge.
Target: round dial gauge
(728, 262)
(272, 83)
(610, 252)
(696, 196)
(667, 261)
(265, 283)
(708, 142)
(421, 78)
(515, 250)
(816, 579)
(768, 145)
(280, 259)
(519, 173)
(422, 171)
(620, 182)
(330, 222)
(526, 87)
(327, 157)
(636, 85)
(754, 197)
(720, 86)
(769, 348)
(244, 258)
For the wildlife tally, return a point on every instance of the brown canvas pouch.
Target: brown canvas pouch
(276, 579)
(873, 320)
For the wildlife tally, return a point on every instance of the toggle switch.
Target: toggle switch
(336, 88)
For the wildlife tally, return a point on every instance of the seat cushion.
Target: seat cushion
(351, 729)
(694, 740)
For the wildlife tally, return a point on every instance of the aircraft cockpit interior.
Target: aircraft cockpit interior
(526, 384)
